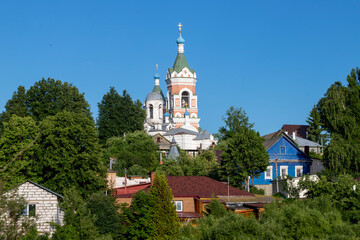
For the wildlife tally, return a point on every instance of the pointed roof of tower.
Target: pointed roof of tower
(157, 88)
(180, 61)
(173, 151)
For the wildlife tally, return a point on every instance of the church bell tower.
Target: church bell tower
(181, 98)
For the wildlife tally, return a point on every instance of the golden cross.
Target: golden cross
(157, 67)
(180, 27)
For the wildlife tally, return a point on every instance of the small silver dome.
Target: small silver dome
(154, 96)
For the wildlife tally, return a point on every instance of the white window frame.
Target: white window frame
(26, 210)
(181, 206)
(271, 172)
(301, 171)
(286, 171)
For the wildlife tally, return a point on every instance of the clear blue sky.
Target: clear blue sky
(275, 59)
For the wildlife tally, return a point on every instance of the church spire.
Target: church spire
(180, 41)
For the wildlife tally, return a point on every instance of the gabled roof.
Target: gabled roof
(204, 135)
(176, 131)
(201, 186)
(299, 129)
(42, 187)
(180, 63)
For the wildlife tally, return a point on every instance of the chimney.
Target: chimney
(294, 135)
(152, 177)
(125, 180)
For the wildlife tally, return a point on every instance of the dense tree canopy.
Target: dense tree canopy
(244, 154)
(339, 113)
(118, 115)
(45, 98)
(136, 152)
(69, 154)
(17, 151)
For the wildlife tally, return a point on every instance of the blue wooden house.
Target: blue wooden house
(285, 159)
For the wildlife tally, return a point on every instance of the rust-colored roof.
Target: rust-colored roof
(299, 129)
(201, 186)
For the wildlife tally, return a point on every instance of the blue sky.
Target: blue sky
(275, 59)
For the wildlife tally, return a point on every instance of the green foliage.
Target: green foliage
(69, 154)
(215, 208)
(164, 218)
(13, 225)
(243, 156)
(316, 132)
(236, 119)
(136, 150)
(339, 114)
(138, 217)
(255, 190)
(118, 115)
(106, 210)
(311, 219)
(344, 192)
(16, 164)
(79, 222)
(200, 165)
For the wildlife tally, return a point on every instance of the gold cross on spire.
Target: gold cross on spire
(180, 27)
(157, 67)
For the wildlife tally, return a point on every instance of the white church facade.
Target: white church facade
(175, 116)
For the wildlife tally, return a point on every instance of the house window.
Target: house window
(29, 210)
(268, 173)
(179, 206)
(282, 150)
(283, 171)
(298, 171)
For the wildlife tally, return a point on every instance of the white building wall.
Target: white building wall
(47, 206)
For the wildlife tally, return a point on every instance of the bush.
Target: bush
(255, 190)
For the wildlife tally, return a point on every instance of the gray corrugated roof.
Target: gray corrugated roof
(304, 142)
(180, 131)
(204, 135)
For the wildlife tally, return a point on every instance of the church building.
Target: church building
(174, 117)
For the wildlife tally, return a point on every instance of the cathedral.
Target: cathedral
(174, 118)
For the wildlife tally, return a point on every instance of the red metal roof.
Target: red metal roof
(201, 186)
(299, 129)
(188, 186)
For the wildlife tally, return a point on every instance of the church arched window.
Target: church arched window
(151, 108)
(185, 99)
(160, 111)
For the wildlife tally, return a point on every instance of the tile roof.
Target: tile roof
(299, 129)
(201, 186)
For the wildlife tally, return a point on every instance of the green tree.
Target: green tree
(137, 148)
(79, 222)
(49, 97)
(69, 154)
(16, 105)
(235, 119)
(138, 217)
(244, 154)
(106, 210)
(339, 113)
(315, 130)
(164, 218)
(17, 147)
(118, 115)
